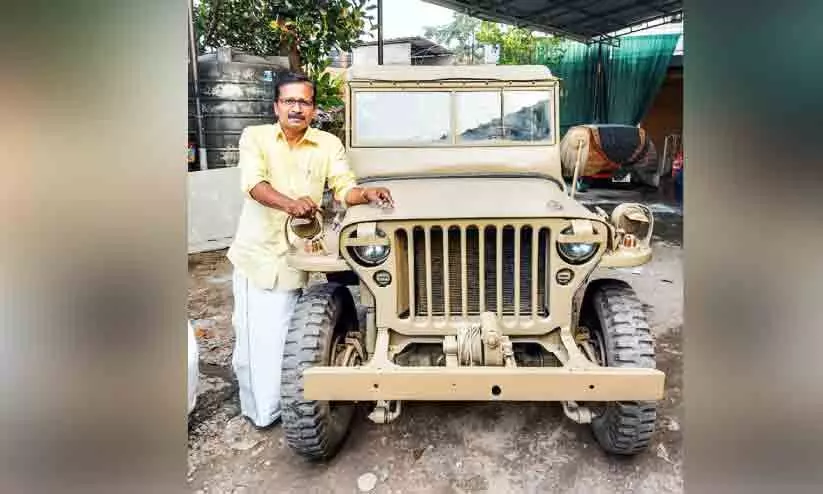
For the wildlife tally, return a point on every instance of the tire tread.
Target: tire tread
(307, 424)
(627, 427)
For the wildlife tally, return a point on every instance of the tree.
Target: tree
(520, 46)
(465, 36)
(241, 24)
(458, 36)
(305, 30)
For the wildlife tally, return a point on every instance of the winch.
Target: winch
(480, 345)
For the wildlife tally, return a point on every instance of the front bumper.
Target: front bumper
(393, 382)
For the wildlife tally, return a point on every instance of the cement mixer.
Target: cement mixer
(620, 153)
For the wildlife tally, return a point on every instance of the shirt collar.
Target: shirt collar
(310, 136)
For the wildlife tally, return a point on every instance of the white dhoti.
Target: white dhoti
(194, 369)
(261, 321)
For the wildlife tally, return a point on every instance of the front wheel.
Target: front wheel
(324, 317)
(621, 333)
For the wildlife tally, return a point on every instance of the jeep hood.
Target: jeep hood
(435, 198)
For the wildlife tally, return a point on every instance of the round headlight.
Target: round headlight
(578, 252)
(371, 255)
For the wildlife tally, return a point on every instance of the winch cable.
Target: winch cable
(469, 345)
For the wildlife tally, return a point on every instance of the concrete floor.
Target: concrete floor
(443, 448)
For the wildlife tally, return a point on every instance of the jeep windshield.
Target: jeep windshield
(446, 117)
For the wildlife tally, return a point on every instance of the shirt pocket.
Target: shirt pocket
(312, 173)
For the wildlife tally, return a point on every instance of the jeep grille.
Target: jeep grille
(465, 270)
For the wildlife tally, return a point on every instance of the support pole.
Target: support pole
(576, 169)
(379, 32)
(598, 110)
(201, 140)
(604, 88)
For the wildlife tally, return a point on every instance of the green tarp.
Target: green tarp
(636, 70)
(611, 84)
(577, 71)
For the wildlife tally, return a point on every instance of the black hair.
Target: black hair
(291, 78)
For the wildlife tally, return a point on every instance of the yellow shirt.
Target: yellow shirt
(259, 246)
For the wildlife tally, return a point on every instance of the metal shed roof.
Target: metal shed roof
(582, 20)
(418, 45)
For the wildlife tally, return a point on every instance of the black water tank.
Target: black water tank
(236, 90)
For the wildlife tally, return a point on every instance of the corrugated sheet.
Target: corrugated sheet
(582, 20)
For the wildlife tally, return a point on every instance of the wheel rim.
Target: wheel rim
(599, 345)
(595, 346)
(346, 351)
(592, 345)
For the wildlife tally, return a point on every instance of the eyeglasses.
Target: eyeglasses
(291, 102)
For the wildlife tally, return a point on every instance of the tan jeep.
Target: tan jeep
(477, 282)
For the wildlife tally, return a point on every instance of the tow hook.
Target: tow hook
(385, 412)
(579, 414)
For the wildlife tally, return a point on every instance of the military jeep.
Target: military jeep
(477, 283)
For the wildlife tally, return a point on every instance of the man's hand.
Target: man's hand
(265, 194)
(365, 195)
(302, 207)
(380, 195)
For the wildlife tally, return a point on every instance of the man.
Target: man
(283, 168)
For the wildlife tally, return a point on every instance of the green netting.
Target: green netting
(577, 71)
(636, 70)
(625, 88)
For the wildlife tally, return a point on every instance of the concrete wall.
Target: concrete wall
(444, 60)
(214, 206)
(393, 54)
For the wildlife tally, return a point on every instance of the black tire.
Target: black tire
(315, 429)
(616, 319)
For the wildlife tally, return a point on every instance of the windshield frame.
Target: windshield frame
(453, 88)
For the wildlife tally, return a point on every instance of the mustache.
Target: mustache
(297, 115)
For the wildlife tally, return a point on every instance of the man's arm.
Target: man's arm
(266, 195)
(342, 182)
(256, 181)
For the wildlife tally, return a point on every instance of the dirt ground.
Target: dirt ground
(441, 448)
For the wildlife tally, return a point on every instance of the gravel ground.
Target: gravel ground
(438, 448)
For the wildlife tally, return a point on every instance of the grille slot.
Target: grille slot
(474, 269)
